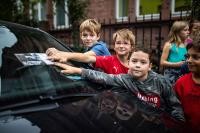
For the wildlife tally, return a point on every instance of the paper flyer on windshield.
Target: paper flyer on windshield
(29, 59)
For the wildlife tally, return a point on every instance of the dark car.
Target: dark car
(36, 97)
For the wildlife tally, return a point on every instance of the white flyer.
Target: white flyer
(29, 59)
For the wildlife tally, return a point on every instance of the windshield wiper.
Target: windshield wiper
(40, 104)
(67, 96)
(34, 108)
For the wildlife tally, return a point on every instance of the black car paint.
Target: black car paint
(93, 114)
(62, 103)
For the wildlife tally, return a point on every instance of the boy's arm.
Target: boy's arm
(102, 78)
(80, 57)
(67, 69)
(90, 53)
(172, 102)
(94, 76)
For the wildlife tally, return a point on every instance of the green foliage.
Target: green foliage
(8, 9)
(76, 13)
(16, 11)
(182, 5)
(195, 14)
(76, 10)
(147, 7)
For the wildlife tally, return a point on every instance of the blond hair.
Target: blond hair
(125, 34)
(175, 31)
(91, 25)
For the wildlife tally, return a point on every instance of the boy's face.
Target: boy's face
(193, 60)
(122, 47)
(195, 26)
(89, 38)
(139, 65)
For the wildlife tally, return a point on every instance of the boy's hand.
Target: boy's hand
(68, 69)
(57, 55)
(60, 57)
(51, 51)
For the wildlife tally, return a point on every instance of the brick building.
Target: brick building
(149, 20)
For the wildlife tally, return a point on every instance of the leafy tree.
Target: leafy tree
(195, 14)
(17, 11)
(76, 13)
(8, 10)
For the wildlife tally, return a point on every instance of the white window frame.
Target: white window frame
(124, 18)
(146, 17)
(66, 25)
(177, 14)
(40, 12)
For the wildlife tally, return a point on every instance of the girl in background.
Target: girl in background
(174, 50)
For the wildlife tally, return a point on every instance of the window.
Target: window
(181, 7)
(61, 17)
(122, 9)
(34, 12)
(39, 11)
(43, 12)
(8, 39)
(147, 9)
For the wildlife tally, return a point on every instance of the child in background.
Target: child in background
(194, 25)
(124, 43)
(174, 50)
(145, 84)
(89, 34)
(188, 86)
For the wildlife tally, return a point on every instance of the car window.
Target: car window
(7, 38)
(19, 80)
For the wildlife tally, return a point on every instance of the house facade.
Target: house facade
(150, 20)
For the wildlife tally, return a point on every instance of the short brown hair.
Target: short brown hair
(145, 50)
(125, 34)
(91, 25)
(195, 40)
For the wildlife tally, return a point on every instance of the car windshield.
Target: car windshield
(21, 80)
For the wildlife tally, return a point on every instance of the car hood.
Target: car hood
(106, 112)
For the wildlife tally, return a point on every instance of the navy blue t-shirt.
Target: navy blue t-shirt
(100, 49)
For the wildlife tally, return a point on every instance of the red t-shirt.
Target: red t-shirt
(110, 65)
(189, 94)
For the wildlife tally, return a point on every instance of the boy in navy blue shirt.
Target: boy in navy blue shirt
(89, 34)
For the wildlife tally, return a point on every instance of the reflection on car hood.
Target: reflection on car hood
(106, 112)
(11, 124)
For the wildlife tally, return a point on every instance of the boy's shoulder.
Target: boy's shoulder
(157, 76)
(184, 78)
(100, 49)
(99, 43)
(126, 77)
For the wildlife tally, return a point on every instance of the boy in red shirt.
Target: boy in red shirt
(188, 86)
(124, 43)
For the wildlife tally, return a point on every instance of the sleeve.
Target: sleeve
(173, 104)
(103, 78)
(102, 62)
(100, 49)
